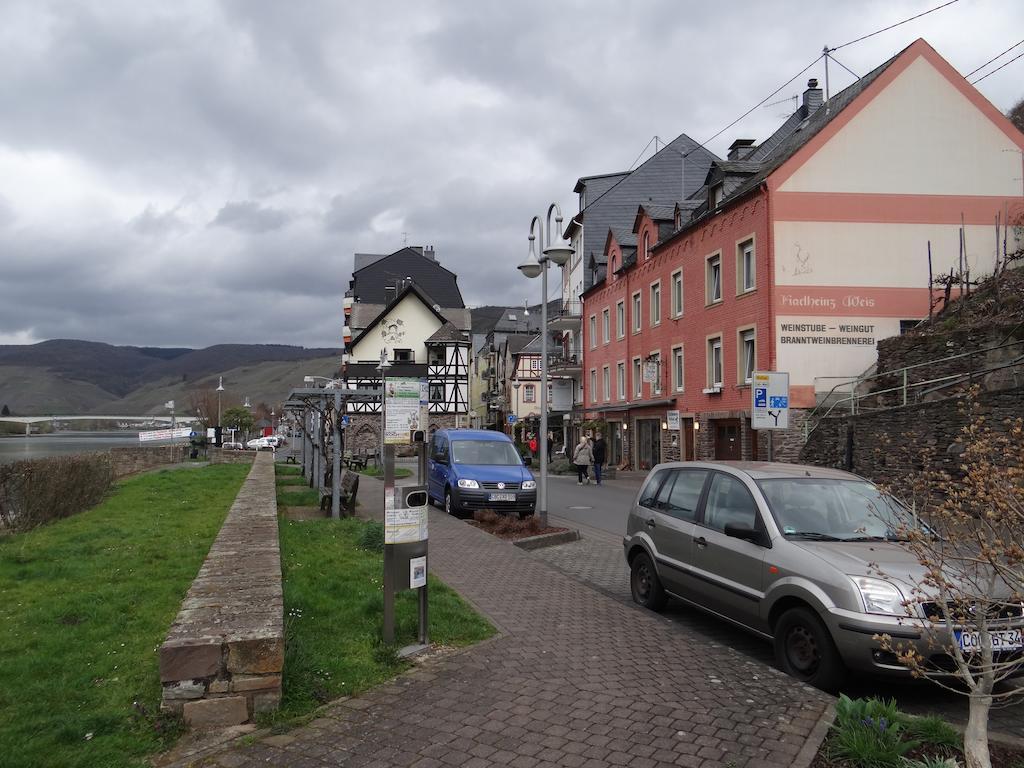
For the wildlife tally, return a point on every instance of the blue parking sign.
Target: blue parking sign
(761, 397)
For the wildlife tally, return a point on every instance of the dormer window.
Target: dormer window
(647, 245)
(715, 196)
(677, 221)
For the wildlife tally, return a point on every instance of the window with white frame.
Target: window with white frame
(529, 393)
(592, 327)
(620, 381)
(677, 293)
(677, 369)
(713, 279)
(647, 245)
(605, 326)
(656, 304)
(745, 267)
(715, 362)
(637, 321)
(638, 378)
(655, 360)
(715, 195)
(593, 385)
(620, 319)
(748, 355)
(606, 383)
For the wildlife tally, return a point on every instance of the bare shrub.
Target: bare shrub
(39, 491)
(509, 526)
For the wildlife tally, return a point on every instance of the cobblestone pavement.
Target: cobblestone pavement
(597, 559)
(577, 678)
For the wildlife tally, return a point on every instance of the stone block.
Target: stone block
(185, 689)
(188, 662)
(241, 683)
(216, 713)
(262, 656)
(266, 701)
(219, 686)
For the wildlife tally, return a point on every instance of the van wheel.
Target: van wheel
(804, 650)
(645, 585)
(448, 503)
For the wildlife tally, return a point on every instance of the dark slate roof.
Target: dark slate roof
(448, 334)
(413, 289)
(532, 347)
(441, 285)
(673, 173)
(658, 212)
(787, 140)
(516, 343)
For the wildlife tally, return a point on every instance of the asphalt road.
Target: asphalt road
(603, 507)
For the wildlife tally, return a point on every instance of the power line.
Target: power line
(993, 59)
(837, 61)
(706, 141)
(893, 26)
(975, 82)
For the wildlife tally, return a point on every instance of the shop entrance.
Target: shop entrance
(727, 440)
(648, 438)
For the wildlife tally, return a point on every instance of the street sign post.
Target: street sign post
(512, 418)
(770, 403)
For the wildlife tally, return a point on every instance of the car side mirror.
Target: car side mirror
(742, 531)
(527, 461)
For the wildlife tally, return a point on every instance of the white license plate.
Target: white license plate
(1002, 640)
(501, 497)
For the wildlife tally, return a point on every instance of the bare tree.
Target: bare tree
(971, 549)
(1016, 115)
(203, 404)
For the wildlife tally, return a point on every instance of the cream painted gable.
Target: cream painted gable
(920, 135)
(407, 326)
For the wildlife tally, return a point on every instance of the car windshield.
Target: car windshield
(824, 509)
(484, 452)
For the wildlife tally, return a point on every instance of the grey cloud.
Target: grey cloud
(249, 216)
(157, 223)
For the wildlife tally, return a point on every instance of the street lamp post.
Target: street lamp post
(557, 254)
(220, 388)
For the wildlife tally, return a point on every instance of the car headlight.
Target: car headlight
(468, 484)
(880, 596)
(529, 485)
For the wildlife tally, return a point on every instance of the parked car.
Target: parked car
(232, 446)
(786, 551)
(474, 469)
(262, 443)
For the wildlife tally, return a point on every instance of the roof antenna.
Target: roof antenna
(405, 239)
(825, 52)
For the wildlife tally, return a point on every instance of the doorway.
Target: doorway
(614, 443)
(648, 438)
(727, 440)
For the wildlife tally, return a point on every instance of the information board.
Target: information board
(673, 420)
(403, 409)
(770, 400)
(403, 525)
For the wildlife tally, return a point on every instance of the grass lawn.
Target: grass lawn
(334, 602)
(297, 496)
(84, 605)
(400, 472)
(280, 468)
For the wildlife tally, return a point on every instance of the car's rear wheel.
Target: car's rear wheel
(645, 585)
(804, 650)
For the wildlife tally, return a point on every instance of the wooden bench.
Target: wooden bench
(349, 490)
(354, 462)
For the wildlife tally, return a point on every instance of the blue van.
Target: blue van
(471, 469)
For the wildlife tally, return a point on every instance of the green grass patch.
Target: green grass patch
(306, 497)
(333, 611)
(400, 472)
(291, 481)
(286, 470)
(85, 603)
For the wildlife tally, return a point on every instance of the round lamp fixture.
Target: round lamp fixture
(559, 253)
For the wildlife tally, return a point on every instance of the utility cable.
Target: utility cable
(975, 82)
(893, 26)
(975, 71)
(706, 141)
(837, 61)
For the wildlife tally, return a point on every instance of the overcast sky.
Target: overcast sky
(190, 173)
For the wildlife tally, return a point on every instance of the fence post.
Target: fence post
(904, 386)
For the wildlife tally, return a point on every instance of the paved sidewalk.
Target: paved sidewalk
(577, 678)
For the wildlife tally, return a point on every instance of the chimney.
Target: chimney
(428, 251)
(741, 149)
(813, 97)
(390, 293)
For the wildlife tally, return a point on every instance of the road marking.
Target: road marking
(580, 507)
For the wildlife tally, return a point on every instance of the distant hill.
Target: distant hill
(70, 376)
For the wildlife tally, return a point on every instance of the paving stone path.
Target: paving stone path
(577, 678)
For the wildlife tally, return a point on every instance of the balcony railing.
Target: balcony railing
(567, 315)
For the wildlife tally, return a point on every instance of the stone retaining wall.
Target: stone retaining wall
(131, 461)
(222, 456)
(224, 654)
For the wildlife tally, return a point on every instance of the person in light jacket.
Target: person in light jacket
(582, 457)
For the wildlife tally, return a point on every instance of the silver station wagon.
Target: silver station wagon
(805, 556)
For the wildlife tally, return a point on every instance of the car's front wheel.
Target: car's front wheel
(804, 650)
(645, 585)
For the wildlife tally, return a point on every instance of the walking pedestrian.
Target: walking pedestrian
(600, 452)
(551, 446)
(582, 456)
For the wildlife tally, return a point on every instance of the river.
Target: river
(63, 443)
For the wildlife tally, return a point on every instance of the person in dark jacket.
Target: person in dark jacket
(600, 451)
